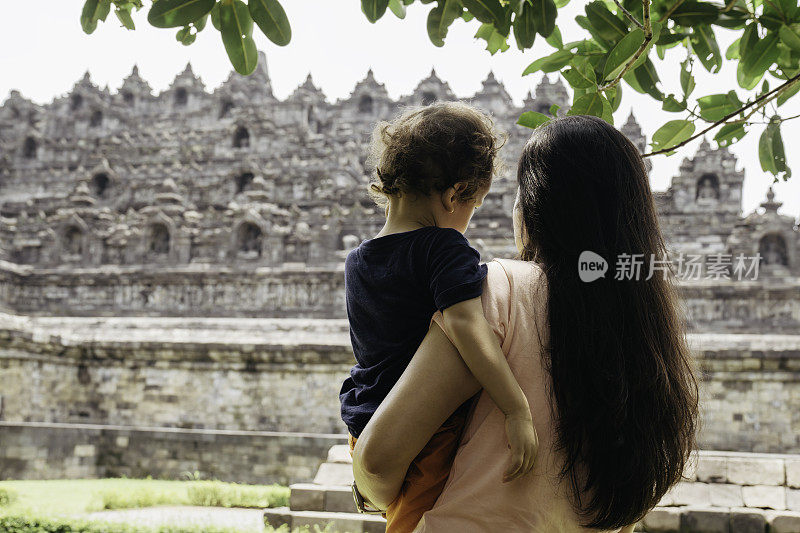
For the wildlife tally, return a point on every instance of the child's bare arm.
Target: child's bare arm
(472, 335)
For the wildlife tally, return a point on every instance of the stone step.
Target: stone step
(340, 454)
(312, 497)
(334, 474)
(338, 522)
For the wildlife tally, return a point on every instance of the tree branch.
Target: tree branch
(629, 14)
(763, 100)
(648, 36)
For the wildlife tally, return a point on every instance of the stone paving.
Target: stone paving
(245, 520)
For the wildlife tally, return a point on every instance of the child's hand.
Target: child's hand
(524, 444)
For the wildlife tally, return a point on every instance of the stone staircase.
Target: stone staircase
(726, 492)
(327, 501)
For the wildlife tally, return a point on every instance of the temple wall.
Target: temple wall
(712, 306)
(262, 375)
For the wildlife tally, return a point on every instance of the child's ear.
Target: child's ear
(448, 198)
(451, 194)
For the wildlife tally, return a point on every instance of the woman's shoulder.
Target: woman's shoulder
(519, 286)
(518, 273)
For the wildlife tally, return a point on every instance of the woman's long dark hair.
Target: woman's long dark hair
(623, 381)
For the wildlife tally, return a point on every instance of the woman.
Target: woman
(604, 363)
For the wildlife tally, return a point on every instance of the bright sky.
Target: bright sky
(46, 52)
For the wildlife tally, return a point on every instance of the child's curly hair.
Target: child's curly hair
(432, 148)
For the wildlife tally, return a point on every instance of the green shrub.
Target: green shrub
(222, 494)
(136, 497)
(7, 496)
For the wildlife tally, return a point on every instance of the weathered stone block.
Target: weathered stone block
(663, 519)
(712, 469)
(340, 454)
(783, 521)
(339, 500)
(756, 471)
(745, 520)
(793, 473)
(705, 521)
(764, 496)
(84, 450)
(691, 493)
(334, 474)
(793, 499)
(725, 495)
(306, 497)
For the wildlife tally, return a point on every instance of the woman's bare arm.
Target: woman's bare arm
(433, 385)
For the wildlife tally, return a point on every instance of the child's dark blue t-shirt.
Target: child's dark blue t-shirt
(393, 285)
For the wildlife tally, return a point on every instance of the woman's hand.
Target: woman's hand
(524, 444)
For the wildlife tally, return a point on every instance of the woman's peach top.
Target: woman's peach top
(474, 499)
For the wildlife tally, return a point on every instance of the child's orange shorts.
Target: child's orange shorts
(427, 474)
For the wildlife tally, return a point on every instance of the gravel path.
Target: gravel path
(249, 520)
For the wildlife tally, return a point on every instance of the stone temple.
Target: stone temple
(171, 276)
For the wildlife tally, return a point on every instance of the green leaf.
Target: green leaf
(672, 133)
(672, 105)
(692, 13)
(614, 95)
(398, 8)
(495, 41)
(93, 11)
(555, 61)
(124, 17)
(544, 15)
(584, 23)
(584, 47)
(271, 20)
(525, 27)
(730, 133)
(561, 3)
(687, 80)
(622, 53)
(185, 36)
(440, 18)
(763, 54)
(668, 38)
(715, 106)
(487, 11)
(790, 36)
(647, 77)
(594, 104)
(200, 23)
(373, 9)
(733, 50)
(215, 17)
(607, 25)
(237, 30)
(554, 39)
(532, 119)
(176, 13)
(788, 93)
(554, 109)
(581, 75)
(704, 44)
(771, 152)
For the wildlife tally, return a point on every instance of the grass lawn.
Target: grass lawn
(70, 497)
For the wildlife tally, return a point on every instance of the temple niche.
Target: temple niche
(772, 248)
(707, 188)
(249, 241)
(771, 235)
